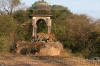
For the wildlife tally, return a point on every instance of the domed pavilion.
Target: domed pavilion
(42, 10)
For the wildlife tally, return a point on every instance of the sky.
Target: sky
(88, 7)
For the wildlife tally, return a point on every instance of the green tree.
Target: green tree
(60, 25)
(21, 16)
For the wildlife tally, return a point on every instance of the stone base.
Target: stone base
(43, 48)
(51, 49)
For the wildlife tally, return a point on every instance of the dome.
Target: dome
(42, 8)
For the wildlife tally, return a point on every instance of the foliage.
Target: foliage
(7, 30)
(24, 28)
(21, 16)
(5, 22)
(76, 32)
(60, 25)
(42, 26)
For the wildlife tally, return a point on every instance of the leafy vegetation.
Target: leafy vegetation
(7, 31)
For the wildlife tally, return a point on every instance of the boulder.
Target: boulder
(51, 49)
(43, 48)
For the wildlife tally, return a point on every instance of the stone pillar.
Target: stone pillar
(49, 29)
(49, 26)
(34, 29)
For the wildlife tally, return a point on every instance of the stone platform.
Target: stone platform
(43, 48)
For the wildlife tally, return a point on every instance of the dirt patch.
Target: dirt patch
(46, 61)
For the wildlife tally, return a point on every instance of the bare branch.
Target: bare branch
(8, 6)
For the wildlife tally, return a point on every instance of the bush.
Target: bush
(7, 30)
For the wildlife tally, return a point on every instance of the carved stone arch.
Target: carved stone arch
(42, 19)
(34, 21)
(44, 23)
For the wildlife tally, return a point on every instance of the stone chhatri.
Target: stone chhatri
(41, 11)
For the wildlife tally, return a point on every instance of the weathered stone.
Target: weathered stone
(44, 49)
(51, 49)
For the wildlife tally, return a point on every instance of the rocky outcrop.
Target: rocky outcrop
(40, 48)
(51, 49)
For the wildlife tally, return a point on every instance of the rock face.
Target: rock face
(43, 48)
(51, 49)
